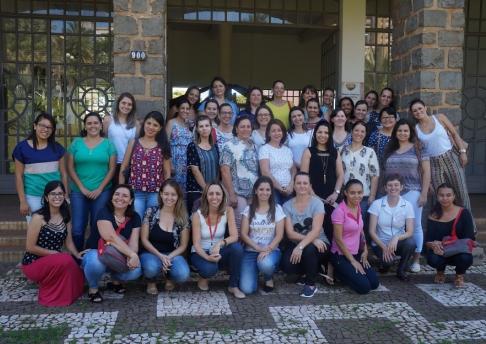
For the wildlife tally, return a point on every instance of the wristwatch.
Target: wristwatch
(337, 191)
(301, 247)
(462, 150)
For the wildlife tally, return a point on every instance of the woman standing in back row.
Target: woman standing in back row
(121, 127)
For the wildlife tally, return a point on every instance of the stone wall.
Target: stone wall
(140, 25)
(427, 54)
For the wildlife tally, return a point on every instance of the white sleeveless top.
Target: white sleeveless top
(206, 242)
(119, 135)
(437, 142)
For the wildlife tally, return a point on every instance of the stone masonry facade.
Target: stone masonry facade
(140, 25)
(427, 54)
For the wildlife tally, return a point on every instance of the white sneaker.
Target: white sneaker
(415, 267)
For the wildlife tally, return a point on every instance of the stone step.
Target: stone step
(12, 240)
(12, 254)
(13, 226)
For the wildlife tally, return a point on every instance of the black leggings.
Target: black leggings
(308, 265)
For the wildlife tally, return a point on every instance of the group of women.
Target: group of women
(303, 188)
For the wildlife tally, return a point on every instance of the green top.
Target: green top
(91, 164)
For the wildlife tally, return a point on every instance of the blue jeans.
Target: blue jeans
(280, 198)
(462, 261)
(144, 200)
(94, 270)
(231, 257)
(81, 207)
(418, 234)
(362, 284)
(251, 266)
(365, 216)
(152, 267)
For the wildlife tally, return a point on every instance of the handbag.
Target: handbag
(452, 245)
(110, 256)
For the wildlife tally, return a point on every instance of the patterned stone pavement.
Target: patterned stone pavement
(414, 312)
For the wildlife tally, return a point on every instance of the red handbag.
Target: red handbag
(110, 256)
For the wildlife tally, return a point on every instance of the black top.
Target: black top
(105, 214)
(51, 237)
(437, 230)
(322, 162)
(162, 240)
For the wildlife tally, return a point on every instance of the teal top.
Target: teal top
(91, 164)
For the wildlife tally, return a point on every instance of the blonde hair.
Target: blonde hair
(180, 211)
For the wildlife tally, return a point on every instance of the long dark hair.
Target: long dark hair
(291, 124)
(196, 105)
(197, 137)
(305, 89)
(45, 211)
(130, 212)
(436, 212)
(161, 137)
(51, 140)
(131, 120)
(350, 100)
(248, 105)
(84, 132)
(393, 145)
(255, 203)
(330, 143)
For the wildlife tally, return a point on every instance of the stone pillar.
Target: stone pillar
(427, 54)
(351, 48)
(225, 31)
(141, 25)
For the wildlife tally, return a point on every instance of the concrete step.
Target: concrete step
(11, 254)
(12, 240)
(13, 226)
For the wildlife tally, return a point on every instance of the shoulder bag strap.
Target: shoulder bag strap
(453, 233)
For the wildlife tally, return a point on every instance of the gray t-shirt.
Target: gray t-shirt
(302, 222)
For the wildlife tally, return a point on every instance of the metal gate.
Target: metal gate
(54, 57)
(473, 123)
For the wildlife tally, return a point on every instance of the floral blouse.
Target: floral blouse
(361, 165)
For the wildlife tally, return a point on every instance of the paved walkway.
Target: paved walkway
(414, 312)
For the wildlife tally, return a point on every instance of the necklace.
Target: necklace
(118, 219)
(324, 157)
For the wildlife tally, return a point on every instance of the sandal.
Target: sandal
(117, 288)
(268, 288)
(95, 297)
(152, 289)
(169, 285)
(440, 277)
(459, 281)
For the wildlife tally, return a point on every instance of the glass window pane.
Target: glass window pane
(25, 47)
(473, 25)
(72, 27)
(369, 58)
(382, 39)
(57, 48)
(103, 10)
(40, 48)
(474, 9)
(204, 14)
(276, 18)
(87, 49)
(24, 24)
(382, 59)
(8, 25)
(72, 49)
(370, 38)
(219, 15)
(10, 46)
(57, 26)
(72, 8)
(87, 27)
(103, 51)
(261, 17)
(39, 25)
(233, 16)
(102, 28)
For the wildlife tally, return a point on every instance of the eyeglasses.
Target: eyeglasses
(226, 112)
(45, 127)
(56, 194)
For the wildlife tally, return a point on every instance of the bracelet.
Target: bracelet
(462, 150)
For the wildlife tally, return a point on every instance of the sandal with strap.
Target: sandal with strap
(459, 281)
(439, 277)
(117, 288)
(95, 297)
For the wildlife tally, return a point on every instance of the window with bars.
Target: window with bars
(378, 41)
(306, 13)
(55, 56)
